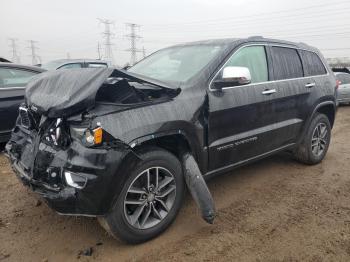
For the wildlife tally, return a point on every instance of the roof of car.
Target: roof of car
(81, 60)
(26, 67)
(228, 41)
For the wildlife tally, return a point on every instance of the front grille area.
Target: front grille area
(25, 118)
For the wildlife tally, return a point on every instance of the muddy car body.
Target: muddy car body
(119, 141)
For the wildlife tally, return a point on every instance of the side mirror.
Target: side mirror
(233, 76)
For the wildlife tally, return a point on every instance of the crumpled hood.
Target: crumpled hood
(65, 92)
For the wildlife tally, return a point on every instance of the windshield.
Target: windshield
(176, 64)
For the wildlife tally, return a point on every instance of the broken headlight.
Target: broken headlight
(88, 136)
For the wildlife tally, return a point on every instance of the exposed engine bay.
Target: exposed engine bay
(122, 91)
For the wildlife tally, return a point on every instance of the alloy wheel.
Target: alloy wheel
(319, 139)
(150, 197)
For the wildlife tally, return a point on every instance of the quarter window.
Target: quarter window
(313, 64)
(286, 63)
(11, 77)
(254, 58)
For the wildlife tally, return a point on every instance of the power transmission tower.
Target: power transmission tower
(13, 45)
(35, 58)
(133, 38)
(107, 35)
(99, 51)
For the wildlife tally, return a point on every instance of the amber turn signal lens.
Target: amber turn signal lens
(98, 135)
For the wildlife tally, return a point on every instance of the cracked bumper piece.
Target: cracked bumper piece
(74, 181)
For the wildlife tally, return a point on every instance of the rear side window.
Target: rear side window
(254, 58)
(286, 63)
(12, 77)
(313, 64)
(343, 78)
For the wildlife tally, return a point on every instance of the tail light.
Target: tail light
(337, 84)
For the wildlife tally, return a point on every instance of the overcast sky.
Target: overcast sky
(71, 26)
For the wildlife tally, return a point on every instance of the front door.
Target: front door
(242, 118)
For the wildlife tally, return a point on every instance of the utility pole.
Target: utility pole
(13, 46)
(99, 51)
(35, 58)
(107, 35)
(68, 55)
(133, 38)
(143, 52)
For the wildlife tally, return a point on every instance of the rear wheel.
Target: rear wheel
(150, 199)
(314, 145)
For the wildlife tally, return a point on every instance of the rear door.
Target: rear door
(12, 84)
(291, 100)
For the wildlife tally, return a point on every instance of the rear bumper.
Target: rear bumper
(100, 167)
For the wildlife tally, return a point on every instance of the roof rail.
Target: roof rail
(255, 37)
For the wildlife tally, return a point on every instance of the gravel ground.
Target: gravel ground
(273, 210)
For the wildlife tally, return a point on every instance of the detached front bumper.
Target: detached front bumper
(100, 168)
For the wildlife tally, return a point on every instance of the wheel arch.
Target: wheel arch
(328, 108)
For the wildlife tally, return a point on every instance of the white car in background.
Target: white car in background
(344, 87)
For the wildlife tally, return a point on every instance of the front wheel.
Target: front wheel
(149, 200)
(314, 145)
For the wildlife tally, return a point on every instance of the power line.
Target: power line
(107, 35)
(35, 58)
(133, 38)
(254, 16)
(13, 45)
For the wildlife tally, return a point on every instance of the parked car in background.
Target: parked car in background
(74, 63)
(344, 87)
(121, 144)
(13, 79)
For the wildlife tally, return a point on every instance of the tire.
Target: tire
(121, 222)
(306, 151)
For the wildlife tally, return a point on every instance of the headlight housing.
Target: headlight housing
(88, 136)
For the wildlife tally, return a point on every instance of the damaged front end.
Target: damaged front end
(67, 173)
(60, 151)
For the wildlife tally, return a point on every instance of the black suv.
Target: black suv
(122, 145)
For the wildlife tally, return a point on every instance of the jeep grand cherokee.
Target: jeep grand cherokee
(111, 143)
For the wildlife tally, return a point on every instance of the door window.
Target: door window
(73, 65)
(96, 65)
(254, 58)
(286, 63)
(12, 77)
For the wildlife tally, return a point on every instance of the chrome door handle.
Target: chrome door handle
(269, 91)
(309, 85)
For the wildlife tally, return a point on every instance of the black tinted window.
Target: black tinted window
(287, 63)
(313, 64)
